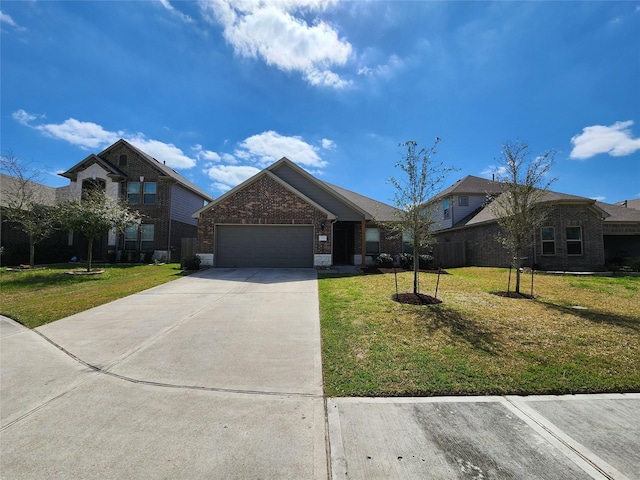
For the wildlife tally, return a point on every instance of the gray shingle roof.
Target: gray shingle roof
(378, 210)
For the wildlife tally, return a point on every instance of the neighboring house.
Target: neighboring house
(14, 242)
(165, 199)
(285, 217)
(579, 234)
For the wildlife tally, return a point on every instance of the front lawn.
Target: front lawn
(36, 297)
(580, 334)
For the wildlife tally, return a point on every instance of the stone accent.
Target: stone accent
(322, 260)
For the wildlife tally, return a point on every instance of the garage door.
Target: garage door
(264, 246)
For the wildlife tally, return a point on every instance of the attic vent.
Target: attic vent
(122, 161)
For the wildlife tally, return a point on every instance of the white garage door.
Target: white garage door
(264, 246)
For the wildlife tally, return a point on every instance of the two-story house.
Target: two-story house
(165, 199)
(579, 233)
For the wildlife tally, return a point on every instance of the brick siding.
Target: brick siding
(263, 202)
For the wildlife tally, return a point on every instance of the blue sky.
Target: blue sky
(221, 89)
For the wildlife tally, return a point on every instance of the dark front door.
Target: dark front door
(343, 243)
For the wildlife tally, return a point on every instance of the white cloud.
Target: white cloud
(386, 70)
(91, 136)
(164, 152)
(328, 144)
(206, 154)
(23, 117)
(166, 4)
(226, 177)
(5, 18)
(268, 147)
(616, 140)
(273, 32)
(86, 135)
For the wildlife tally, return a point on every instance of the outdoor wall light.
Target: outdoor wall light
(322, 226)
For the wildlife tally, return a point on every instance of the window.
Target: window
(131, 238)
(447, 208)
(574, 240)
(463, 201)
(147, 237)
(548, 235)
(149, 193)
(133, 192)
(407, 241)
(372, 239)
(122, 161)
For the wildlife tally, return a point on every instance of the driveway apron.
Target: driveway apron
(215, 375)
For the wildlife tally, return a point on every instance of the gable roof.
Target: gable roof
(486, 214)
(117, 174)
(471, 185)
(368, 208)
(252, 179)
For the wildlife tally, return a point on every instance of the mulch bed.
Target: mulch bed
(415, 299)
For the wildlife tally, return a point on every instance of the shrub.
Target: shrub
(191, 263)
(425, 261)
(384, 260)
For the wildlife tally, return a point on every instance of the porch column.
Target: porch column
(363, 236)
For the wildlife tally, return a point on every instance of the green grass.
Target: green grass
(36, 297)
(478, 343)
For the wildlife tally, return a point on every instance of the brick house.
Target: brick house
(579, 234)
(285, 217)
(164, 198)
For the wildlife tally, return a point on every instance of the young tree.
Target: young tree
(24, 202)
(94, 215)
(519, 209)
(422, 178)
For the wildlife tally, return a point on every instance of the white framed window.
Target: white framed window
(446, 207)
(133, 192)
(574, 240)
(149, 193)
(131, 238)
(548, 236)
(147, 232)
(372, 240)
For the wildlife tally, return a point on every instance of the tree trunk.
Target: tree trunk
(32, 250)
(416, 271)
(89, 254)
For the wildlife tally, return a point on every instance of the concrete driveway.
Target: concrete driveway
(215, 375)
(218, 376)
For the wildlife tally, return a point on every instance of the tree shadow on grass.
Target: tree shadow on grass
(631, 323)
(459, 327)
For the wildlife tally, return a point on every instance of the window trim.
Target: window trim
(145, 194)
(446, 208)
(551, 241)
(463, 201)
(371, 242)
(130, 193)
(572, 241)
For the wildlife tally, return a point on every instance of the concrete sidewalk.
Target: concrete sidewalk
(536, 437)
(215, 375)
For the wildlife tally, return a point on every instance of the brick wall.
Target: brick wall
(483, 248)
(263, 202)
